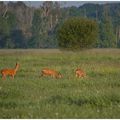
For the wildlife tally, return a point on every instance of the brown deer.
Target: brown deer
(80, 73)
(9, 72)
(50, 72)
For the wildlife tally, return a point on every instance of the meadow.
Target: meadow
(31, 96)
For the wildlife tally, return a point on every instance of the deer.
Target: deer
(80, 73)
(9, 72)
(50, 72)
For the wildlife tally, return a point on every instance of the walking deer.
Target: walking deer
(80, 73)
(50, 72)
(9, 72)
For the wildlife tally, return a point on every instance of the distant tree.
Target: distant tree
(18, 39)
(115, 16)
(7, 24)
(107, 35)
(38, 30)
(76, 33)
(44, 23)
(39, 25)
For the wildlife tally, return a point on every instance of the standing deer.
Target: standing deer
(9, 72)
(50, 72)
(80, 73)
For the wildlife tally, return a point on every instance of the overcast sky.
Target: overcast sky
(67, 3)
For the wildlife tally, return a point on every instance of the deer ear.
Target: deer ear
(17, 63)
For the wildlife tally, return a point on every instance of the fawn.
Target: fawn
(80, 73)
(10, 72)
(50, 72)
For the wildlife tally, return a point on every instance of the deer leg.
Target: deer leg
(41, 75)
(3, 77)
(56, 77)
(77, 75)
(53, 76)
(12, 77)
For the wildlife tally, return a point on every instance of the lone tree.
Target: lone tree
(77, 33)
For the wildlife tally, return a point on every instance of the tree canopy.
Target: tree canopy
(23, 26)
(76, 33)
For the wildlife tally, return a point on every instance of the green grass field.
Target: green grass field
(29, 96)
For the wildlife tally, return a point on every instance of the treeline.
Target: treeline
(28, 27)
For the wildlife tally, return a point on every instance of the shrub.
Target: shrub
(76, 33)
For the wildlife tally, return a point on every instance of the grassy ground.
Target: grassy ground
(28, 96)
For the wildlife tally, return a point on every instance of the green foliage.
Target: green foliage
(7, 24)
(77, 33)
(107, 35)
(37, 29)
(42, 37)
(18, 39)
(40, 31)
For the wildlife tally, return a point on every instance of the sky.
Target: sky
(66, 3)
(62, 3)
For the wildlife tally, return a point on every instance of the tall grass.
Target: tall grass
(31, 96)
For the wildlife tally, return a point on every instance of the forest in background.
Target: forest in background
(23, 26)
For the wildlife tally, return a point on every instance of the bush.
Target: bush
(76, 33)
